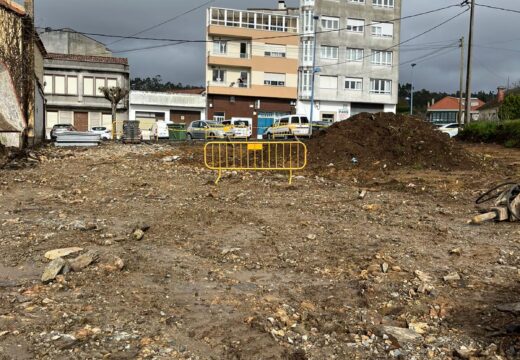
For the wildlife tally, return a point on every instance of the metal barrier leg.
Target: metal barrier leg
(290, 177)
(219, 177)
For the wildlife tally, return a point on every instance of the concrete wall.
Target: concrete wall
(70, 42)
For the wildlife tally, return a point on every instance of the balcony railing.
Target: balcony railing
(231, 55)
(232, 84)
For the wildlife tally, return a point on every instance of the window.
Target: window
(219, 75)
(59, 85)
(357, 1)
(275, 50)
(72, 85)
(99, 84)
(329, 23)
(220, 47)
(284, 121)
(355, 25)
(106, 120)
(219, 116)
(273, 79)
(329, 52)
(328, 82)
(48, 83)
(295, 120)
(382, 57)
(88, 86)
(328, 117)
(379, 86)
(308, 48)
(383, 30)
(355, 54)
(308, 21)
(52, 118)
(304, 120)
(111, 83)
(354, 84)
(383, 3)
(243, 80)
(306, 81)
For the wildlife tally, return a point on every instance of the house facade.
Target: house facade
(491, 110)
(22, 105)
(446, 110)
(76, 66)
(357, 62)
(180, 108)
(252, 64)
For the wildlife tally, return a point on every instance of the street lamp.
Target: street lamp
(411, 92)
(313, 78)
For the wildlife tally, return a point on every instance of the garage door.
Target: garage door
(358, 108)
(184, 117)
(81, 121)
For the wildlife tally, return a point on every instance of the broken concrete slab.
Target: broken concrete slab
(84, 260)
(513, 308)
(57, 253)
(53, 269)
(402, 335)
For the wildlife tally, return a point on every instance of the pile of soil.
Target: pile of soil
(389, 141)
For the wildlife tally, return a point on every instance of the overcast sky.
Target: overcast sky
(496, 53)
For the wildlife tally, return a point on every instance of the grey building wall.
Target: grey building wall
(329, 100)
(72, 43)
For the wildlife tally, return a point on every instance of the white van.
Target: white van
(160, 130)
(289, 126)
(240, 128)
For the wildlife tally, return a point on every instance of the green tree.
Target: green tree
(510, 108)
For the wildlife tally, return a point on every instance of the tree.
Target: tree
(114, 95)
(510, 108)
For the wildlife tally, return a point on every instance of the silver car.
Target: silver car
(206, 130)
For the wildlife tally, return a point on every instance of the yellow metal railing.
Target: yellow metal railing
(286, 156)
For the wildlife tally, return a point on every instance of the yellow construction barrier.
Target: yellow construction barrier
(287, 156)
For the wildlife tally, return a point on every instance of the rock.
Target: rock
(402, 335)
(457, 251)
(230, 251)
(384, 267)
(82, 261)
(65, 341)
(138, 235)
(374, 269)
(362, 194)
(3, 333)
(513, 308)
(58, 253)
(170, 158)
(452, 277)
(311, 237)
(465, 353)
(141, 225)
(423, 276)
(116, 265)
(419, 327)
(53, 269)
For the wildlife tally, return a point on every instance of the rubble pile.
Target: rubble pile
(388, 141)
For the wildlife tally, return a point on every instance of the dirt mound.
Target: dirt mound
(386, 140)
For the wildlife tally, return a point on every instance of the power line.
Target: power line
(499, 8)
(166, 21)
(134, 37)
(412, 38)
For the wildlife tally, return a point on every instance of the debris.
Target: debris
(362, 194)
(402, 335)
(454, 276)
(3, 333)
(513, 308)
(456, 251)
(419, 327)
(384, 267)
(53, 269)
(311, 237)
(57, 253)
(138, 235)
(84, 260)
(423, 276)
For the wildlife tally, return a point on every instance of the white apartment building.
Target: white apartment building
(357, 60)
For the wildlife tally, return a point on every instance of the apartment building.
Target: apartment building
(76, 66)
(357, 62)
(252, 64)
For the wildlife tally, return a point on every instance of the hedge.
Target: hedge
(503, 132)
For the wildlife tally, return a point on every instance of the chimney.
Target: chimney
(29, 7)
(501, 94)
(282, 5)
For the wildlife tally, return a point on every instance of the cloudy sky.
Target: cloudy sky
(496, 52)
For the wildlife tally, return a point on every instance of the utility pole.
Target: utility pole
(470, 52)
(461, 96)
(411, 92)
(313, 75)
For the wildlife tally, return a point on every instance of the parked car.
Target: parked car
(160, 130)
(289, 126)
(103, 132)
(207, 130)
(240, 128)
(451, 129)
(60, 128)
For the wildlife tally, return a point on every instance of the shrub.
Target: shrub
(505, 132)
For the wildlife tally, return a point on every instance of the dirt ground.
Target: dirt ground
(254, 268)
